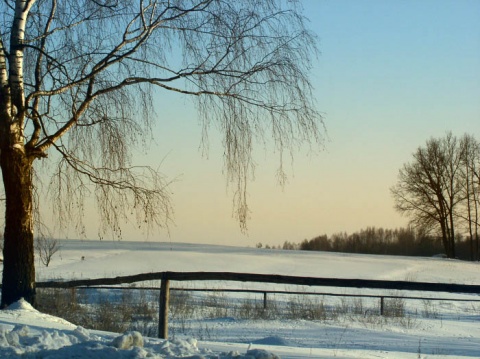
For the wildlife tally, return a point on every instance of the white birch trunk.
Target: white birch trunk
(5, 98)
(17, 37)
(19, 267)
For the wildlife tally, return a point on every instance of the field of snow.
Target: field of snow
(453, 332)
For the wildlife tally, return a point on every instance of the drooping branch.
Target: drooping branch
(245, 63)
(119, 192)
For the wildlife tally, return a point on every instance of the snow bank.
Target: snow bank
(41, 338)
(22, 304)
(128, 340)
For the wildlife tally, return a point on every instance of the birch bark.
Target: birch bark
(16, 165)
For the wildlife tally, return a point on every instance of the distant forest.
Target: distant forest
(402, 242)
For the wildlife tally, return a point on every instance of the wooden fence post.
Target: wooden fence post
(163, 308)
(264, 300)
(382, 305)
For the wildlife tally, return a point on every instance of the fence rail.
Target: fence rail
(166, 277)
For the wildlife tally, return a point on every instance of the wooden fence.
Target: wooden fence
(167, 277)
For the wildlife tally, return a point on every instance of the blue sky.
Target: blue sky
(391, 74)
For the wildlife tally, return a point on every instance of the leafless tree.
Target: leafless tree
(430, 188)
(46, 247)
(77, 81)
(470, 149)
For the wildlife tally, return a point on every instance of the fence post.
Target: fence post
(382, 304)
(264, 300)
(163, 308)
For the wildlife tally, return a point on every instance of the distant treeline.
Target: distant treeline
(401, 241)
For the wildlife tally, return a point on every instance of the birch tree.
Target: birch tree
(77, 83)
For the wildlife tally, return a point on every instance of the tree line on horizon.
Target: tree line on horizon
(439, 190)
(405, 241)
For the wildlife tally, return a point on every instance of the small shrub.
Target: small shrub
(99, 309)
(408, 322)
(353, 307)
(254, 309)
(110, 317)
(182, 304)
(181, 310)
(65, 303)
(429, 310)
(394, 307)
(303, 307)
(217, 305)
(358, 306)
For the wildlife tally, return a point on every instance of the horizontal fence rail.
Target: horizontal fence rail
(284, 292)
(166, 277)
(269, 278)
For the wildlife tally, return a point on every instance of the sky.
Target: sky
(391, 75)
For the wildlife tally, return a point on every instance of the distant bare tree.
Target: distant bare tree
(45, 248)
(470, 171)
(430, 188)
(77, 80)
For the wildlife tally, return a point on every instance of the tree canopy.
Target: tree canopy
(78, 81)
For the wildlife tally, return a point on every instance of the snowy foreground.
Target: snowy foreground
(27, 333)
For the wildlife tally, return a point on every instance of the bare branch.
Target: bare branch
(119, 192)
(430, 189)
(92, 66)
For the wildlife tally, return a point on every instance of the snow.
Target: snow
(28, 333)
(49, 337)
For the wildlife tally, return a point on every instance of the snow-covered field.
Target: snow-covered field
(452, 332)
